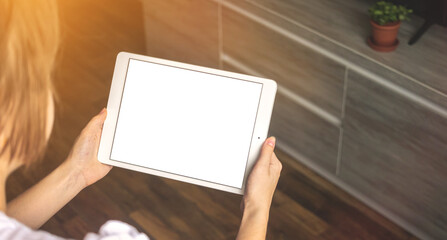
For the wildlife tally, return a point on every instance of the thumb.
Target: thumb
(94, 127)
(102, 115)
(99, 119)
(267, 150)
(97, 125)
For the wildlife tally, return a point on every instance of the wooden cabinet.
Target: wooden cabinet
(299, 129)
(393, 148)
(299, 69)
(184, 31)
(272, 55)
(306, 133)
(395, 152)
(346, 22)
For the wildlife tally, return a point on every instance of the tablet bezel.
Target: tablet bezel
(260, 131)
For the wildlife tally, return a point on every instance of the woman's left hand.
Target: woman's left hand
(83, 158)
(39, 203)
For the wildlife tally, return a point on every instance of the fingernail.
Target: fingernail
(103, 111)
(271, 141)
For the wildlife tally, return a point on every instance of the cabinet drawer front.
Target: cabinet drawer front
(395, 152)
(305, 132)
(303, 71)
(302, 131)
(346, 23)
(184, 31)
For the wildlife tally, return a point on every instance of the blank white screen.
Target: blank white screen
(186, 122)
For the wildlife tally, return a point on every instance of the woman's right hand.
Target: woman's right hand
(261, 185)
(262, 181)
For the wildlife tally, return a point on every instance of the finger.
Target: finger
(94, 127)
(275, 161)
(101, 117)
(97, 121)
(267, 150)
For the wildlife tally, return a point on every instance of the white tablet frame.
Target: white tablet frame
(116, 90)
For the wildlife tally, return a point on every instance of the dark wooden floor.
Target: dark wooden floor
(305, 205)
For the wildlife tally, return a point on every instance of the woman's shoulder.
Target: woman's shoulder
(14, 230)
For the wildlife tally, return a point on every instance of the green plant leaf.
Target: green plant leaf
(384, 12)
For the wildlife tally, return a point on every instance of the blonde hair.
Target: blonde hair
(28, 48)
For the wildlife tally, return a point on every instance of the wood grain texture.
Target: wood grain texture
(366, 64)
(311, 136)
(184, 31)
(302, 130)
(394, 152)
(373, 67)
(305, 207)
(305, 132)
(292, 65)
(347, 23)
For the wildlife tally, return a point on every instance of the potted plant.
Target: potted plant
(385, 20)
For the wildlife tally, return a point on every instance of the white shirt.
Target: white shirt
(11, 229)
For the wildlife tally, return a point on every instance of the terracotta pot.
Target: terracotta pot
(385, 35)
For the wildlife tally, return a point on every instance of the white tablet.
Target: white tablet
(189, 123)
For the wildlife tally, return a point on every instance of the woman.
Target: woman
(28, 47)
